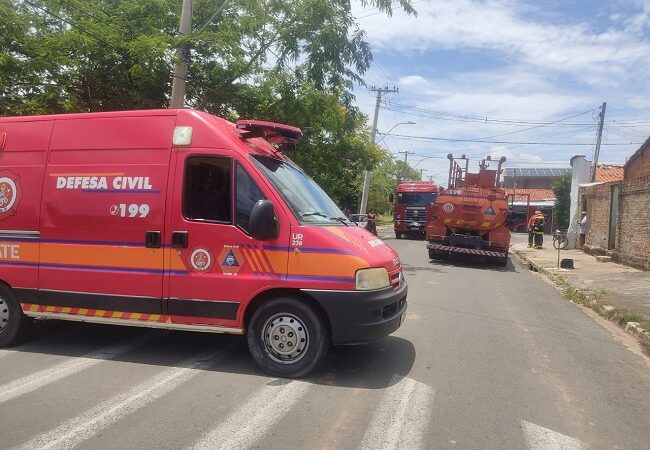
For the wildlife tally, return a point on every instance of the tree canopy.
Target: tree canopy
(292, 61)
(561, 212)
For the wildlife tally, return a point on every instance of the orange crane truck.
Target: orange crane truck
(469, 216)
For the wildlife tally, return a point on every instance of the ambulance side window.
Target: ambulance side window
(206, 191)
(247, 195)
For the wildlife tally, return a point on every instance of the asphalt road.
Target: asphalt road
(488, 358)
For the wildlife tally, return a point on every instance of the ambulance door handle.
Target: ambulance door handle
(152, 239)
(179, 239)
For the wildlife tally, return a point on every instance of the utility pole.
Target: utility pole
(598, 139)
(406, 160)
(366, 175)
(183, 58)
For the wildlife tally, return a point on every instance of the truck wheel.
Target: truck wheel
(13, 323)
(501, 261)
(287, 338)
(437, 254)
(398, 235)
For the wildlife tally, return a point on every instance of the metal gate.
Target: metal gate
(613, 216)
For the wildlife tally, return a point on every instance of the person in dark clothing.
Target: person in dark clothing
(538, 231)
(371, 225)
(531, 225)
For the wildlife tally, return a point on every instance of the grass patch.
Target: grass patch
(594, 299)
(385, 219)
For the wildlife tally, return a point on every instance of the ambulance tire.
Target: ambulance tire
(304, 328)
(15, 324)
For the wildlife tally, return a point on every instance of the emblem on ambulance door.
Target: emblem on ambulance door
(231, 260)
(10, 193)
(200, 259)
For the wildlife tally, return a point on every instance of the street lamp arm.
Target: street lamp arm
(383, 135)
(426, 157)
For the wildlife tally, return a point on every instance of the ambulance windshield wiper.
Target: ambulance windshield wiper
(343, 220)
(317, 213)
(314, 214)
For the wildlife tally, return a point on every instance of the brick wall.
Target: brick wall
(633, 227)
(633, 238)
(598, 204)
(639, 165)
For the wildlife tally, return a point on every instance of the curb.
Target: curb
(606, 311)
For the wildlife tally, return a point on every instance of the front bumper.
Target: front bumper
(362, 316)
(410, 225)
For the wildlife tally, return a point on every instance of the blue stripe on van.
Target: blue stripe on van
(333, 250)
(121, 191)
(320, 278)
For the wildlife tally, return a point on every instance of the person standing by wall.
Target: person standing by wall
(582, 229)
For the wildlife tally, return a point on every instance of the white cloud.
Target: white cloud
(412, 80)
(499, 26)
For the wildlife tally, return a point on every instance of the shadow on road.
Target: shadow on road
(407, 268)
(370, 366)
(474, 263)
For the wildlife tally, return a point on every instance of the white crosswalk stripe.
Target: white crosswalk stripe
(83, 427)
(248, 424)
(402, 418)
(55, 373)
(540, 438)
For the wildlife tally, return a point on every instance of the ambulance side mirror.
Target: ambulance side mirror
(263, 223)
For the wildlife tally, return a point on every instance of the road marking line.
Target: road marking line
(248, 423)
(402, 418)
(55, 373)
(85, 426)
(540, 438)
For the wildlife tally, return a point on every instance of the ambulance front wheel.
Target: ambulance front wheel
(287, 338)
(13, 323)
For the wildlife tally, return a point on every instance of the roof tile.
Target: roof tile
(535, 194)
(607, 173)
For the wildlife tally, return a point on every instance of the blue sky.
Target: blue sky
(517, 65)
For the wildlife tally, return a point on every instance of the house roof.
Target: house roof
(535, 194)
(639, 152)
(606, 173)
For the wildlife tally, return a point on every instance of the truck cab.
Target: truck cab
(413, 203)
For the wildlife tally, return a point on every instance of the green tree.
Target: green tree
(384, 180)
(291, 61)
(562, 189)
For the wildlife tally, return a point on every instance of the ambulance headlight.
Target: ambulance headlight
(374, 278)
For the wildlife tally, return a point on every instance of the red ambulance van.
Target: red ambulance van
(178, 219)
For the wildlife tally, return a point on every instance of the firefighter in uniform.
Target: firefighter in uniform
(538, 231)
(531, 225)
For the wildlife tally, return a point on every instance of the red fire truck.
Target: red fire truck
(413, 202)
(470, 216)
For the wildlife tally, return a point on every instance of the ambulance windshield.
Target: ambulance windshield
(307, 200)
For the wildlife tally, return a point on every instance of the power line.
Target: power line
(539, 126)
(444, 115)
(383, 12)
(483, 141)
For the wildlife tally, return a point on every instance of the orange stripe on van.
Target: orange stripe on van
(102, 256)
(261, 258)
(316, 264)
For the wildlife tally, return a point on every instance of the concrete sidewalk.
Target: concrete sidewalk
(618, 285)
